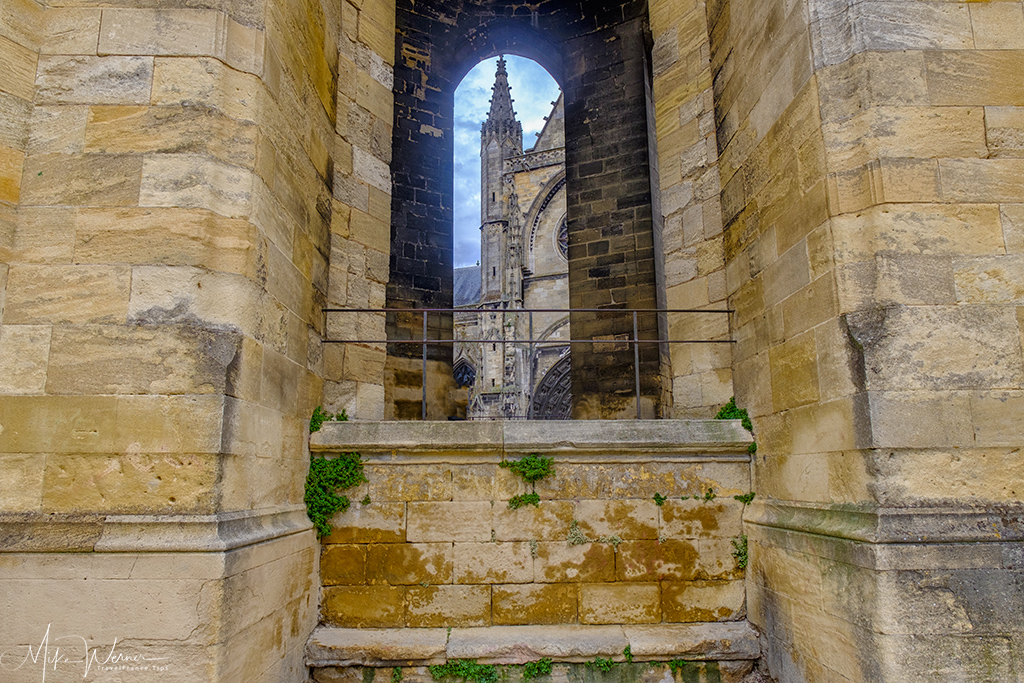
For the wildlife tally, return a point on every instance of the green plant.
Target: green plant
(320, 416)
(522, 500)
(601, 664)
(739, 551)
(628, 654)
(534, 549)
(326, 477)
(613, 540)
(745, 498)
(532, 468)
(365, 500)
(466, 670)
(678, 665)
(731, 412)
(659, 499)
(533, 670)
(710, 495)
(396, 675)
(685, 498)
(576, 537)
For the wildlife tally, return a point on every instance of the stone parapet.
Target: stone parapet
(609, 438)
(635, 526)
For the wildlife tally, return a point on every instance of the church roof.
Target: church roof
(466, 291)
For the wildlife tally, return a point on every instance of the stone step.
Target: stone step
(407, 647)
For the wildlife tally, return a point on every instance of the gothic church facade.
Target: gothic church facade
(523, 370)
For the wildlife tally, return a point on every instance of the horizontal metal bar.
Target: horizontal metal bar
(527, 341)
(508, 311)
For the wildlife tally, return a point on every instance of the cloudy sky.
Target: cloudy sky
(533, 92)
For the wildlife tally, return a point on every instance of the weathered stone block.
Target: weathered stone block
(921, 419)
(67, 294)
(24, 352)
(671, 560)
(794, 372)
(974, 77)
(132, 483)
(169, 32)
(990, 279)
(559, 562)
(343, 565)
(620, 603)
(410, 482)
(548, 522)
(703, 601)
(374, 523)
(18, 73)
(437, 606)
(409, 563)
(627, 519)
(363, 606)
(189, 181)
(23, 482)
(170, 130)
(534, 604)
(11, 161)
(208, 82)
(455, 521)
(84, 180)
(94, 80)
(493, 563)
(137, 360)
(995, 417)
(938, 347)
(70, 31)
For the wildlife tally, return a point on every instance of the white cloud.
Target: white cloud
(533, 92)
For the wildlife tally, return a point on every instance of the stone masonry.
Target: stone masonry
(185, 186)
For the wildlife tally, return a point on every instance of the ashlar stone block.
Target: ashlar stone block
(94, 80)
(620, 603)
(438, 606)
(449, 521)
(409, 563)
(533, 603)
(486, 563)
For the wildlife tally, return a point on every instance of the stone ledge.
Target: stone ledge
(520, 644)
(875, 524)
(40, 532)
(631, 438)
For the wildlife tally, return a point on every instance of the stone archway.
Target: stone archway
(599, 52)
(552, 399)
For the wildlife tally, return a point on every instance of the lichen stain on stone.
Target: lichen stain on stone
(703, 514)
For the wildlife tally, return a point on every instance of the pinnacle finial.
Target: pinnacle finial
(501, 97)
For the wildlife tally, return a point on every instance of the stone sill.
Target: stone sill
(630, 438)
(520, 644)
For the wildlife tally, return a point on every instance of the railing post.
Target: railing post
(636, 364)
(423, 412)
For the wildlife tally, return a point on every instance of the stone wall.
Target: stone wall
(166, 224)
(436, 544)
(700, 378)
(868, 191)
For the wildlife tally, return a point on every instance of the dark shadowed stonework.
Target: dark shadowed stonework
(598, 52)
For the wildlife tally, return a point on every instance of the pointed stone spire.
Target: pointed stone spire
(501, 95)
(502, 118)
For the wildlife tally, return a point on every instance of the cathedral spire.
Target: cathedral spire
(501, 97)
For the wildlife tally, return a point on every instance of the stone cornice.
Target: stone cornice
(42, 532)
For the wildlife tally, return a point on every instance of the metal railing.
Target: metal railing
(635, 341)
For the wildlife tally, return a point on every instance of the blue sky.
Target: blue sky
(533, 92)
